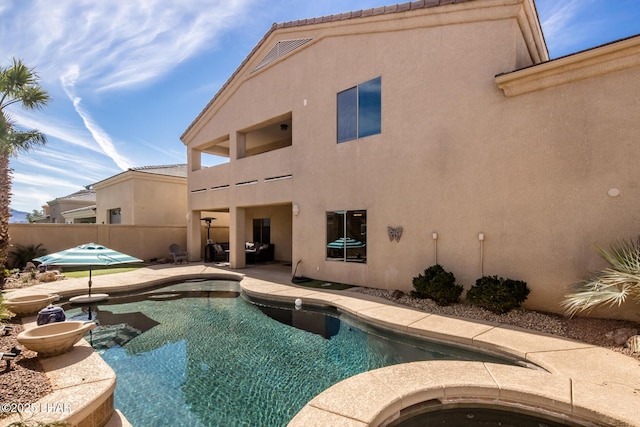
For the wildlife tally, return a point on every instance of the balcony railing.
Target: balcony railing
(268, 170)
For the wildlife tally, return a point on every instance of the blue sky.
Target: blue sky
(127, 77)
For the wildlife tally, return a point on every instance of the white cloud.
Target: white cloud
(88, 47)
(28, 198)
(54, 128)
(60, 167)
(115, 44)
(31, 191)
(564, 24)
(43, 180)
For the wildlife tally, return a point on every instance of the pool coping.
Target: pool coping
(579, 382)
(587, 382)
(82, 382)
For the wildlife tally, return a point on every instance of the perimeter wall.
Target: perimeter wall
(144, 242)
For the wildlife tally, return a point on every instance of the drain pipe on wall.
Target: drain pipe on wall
(481, 239)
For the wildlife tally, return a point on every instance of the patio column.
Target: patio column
(237, 239)
(193, 236)
(241, 145)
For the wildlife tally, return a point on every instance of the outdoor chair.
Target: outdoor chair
(178, 256)
(219, 254)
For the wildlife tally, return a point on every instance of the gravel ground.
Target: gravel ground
(25, 382)
(584, 329)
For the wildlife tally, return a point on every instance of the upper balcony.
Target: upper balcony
(259, 174)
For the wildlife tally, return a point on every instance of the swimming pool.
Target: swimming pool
(197, 353)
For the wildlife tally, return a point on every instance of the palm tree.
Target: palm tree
(611, 286)
(18, 85)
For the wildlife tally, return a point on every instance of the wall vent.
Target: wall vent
(279, 50)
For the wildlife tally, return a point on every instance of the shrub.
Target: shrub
(498, 295)
(438, 285)
(21, 255)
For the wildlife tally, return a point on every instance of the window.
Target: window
(360, 111)
(262, 230)
(347, 236)
(115, 216)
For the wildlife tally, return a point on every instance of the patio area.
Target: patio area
(567, 377)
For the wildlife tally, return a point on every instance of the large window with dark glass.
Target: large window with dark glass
(347, 236)
(262, 230)
(360, 110)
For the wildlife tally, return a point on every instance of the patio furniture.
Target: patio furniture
(259, 252)
(219, 253)
(177, 254)
(215, 252)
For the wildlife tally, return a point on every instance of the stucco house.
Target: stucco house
(376, 143)
(146, 195)
(75, 207)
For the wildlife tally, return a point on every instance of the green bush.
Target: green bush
(438, 285)
(21, 255)
(498, 295)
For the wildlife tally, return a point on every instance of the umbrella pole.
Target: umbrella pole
(89, 280)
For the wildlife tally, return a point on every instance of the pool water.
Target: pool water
(199, 354)
(479, 417)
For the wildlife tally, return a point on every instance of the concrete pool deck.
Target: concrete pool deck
(583, 381)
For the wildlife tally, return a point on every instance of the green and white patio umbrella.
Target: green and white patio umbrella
(88, 254)
(347, 243)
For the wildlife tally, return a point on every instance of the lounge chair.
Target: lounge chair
(177, 254)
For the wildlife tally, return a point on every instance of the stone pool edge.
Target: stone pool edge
(594, 383)
(83, 383)
(586, 382)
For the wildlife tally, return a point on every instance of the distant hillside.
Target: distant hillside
(18, 216)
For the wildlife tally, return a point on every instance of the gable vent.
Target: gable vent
(280, 50)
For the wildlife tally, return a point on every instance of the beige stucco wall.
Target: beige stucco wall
(455, 155)
(113, 196)
(56, 207)
(144, 242)
(147, 199)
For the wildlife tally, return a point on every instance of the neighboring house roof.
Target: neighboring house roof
(177, 170)
(358, 14)
(82, 195)
(169, 170)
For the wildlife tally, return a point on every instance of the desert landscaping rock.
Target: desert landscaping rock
(589, 330)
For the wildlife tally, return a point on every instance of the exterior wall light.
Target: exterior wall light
(295, 209)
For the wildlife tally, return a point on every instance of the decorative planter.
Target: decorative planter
(30, 304)
(54, 338)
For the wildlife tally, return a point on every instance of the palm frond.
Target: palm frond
(19, 84)
(595, 292)
(623, 256)
(14, 141)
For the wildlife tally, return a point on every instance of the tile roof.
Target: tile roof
(364, 13)
(88, 195)
(359, 14)
(169, 170)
